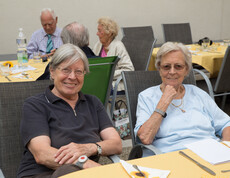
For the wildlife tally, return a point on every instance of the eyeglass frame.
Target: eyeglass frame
(67, 72)
(177, 67)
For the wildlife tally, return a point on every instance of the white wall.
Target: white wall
(206, 17)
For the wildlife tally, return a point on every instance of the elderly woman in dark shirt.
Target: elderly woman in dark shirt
(62, 124)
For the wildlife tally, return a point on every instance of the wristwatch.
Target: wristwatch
(164, 114)
(81, 160)
(99, 149)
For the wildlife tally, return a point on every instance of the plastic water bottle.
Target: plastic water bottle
(21, 52)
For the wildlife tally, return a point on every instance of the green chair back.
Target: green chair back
(99, 81)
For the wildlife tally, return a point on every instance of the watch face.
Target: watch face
(82, 158)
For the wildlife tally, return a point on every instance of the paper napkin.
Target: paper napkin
(149, 172)
(211, 150)
(17, 69)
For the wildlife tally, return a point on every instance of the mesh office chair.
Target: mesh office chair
(135, 82)
(179, 32)
(140, 52)
(12, 96)
(141, 32)
(221, 87)
(139, 43)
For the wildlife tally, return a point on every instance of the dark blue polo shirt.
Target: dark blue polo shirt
(47, 114)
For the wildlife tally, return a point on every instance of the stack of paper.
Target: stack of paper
(211, 150)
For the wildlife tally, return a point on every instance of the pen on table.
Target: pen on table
(198, 164)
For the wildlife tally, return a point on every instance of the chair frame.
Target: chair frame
(8, 57)
(138, 31)
(221, 87)
(94, 63)
(135, 63)
(176, 34)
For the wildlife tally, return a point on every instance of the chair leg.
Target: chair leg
(223, 102)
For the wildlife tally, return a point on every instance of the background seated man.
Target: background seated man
(62, 124)
(173, 114)
(47, 39)
(77, 34)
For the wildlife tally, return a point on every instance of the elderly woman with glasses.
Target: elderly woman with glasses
(64, 130)
(173, 114)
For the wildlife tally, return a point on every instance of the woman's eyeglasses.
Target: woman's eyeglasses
(67, 71)
(167, 67)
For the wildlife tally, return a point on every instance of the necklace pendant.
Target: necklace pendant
(182, 110)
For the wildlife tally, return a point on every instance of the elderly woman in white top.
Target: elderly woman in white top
(173, 114)
(109, 46)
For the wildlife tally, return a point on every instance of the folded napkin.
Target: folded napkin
(17, 69)
(149, 172)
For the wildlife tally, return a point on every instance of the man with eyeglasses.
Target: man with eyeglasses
(47, 39)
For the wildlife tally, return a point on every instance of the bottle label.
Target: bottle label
(22, 56)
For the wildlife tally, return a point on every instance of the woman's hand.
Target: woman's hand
(69, 154)
(169, 93)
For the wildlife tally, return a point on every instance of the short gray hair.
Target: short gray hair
(171, 46)
(69, 52)
(51, 11)
(75, 33)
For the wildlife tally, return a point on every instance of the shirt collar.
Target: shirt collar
(51, 98)
(54, 34)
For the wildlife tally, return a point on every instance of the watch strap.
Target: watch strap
(79, 164)
(81, 160)
(164, 114)
(99, 149)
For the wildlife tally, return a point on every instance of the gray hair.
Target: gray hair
(69, 52)
(75, 33)
(51, 11)
(109, 25)
(171, 46)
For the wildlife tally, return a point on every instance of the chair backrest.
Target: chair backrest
(179, 32)
(137, 81)
(12, 96)
(222, 83)
(8, 57)
(141, 32)
(99, 81)
(140, 51)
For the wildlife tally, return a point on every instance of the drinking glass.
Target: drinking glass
(205, 44)
(5, 70)
(226, 42)
(37, 57)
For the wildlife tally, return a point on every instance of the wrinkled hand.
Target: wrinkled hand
(69, 154)
(50, 54)
(169, 93)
